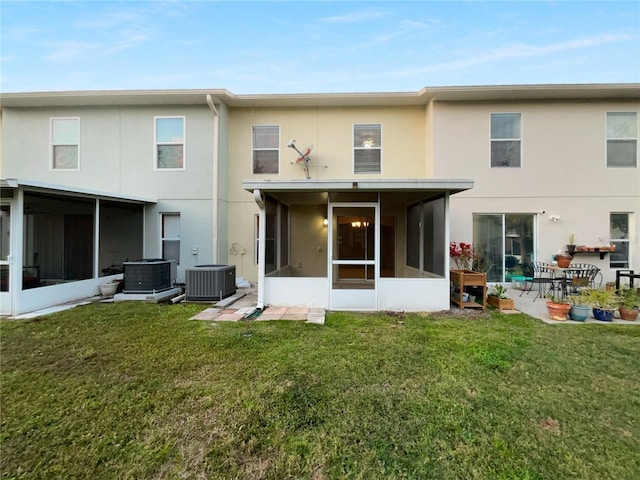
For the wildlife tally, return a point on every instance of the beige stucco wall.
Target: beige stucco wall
(563, 172)
(117, 156)
(330, 131)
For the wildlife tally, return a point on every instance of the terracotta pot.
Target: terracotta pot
(563, 262)
(558, 311)
(629, 314)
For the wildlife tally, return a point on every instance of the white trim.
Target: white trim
(156, 143)
(51, 145)
(18, 183)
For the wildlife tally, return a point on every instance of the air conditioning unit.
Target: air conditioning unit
(147, 276)
(209, 282)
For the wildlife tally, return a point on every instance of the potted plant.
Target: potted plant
(629, 299)
(571, 246)
(558, 309)
(499, 298)
(603, 303)
(579, 310)
(563, 259)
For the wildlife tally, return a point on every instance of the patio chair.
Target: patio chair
(536, 274)
(595, 277)
(575, 280)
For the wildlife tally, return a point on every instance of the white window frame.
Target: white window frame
(353, 141)
(163, 239)
(52, 144)
(514, 139)
(254, 149)
(156, 143)
(622, 240)
(607, 139)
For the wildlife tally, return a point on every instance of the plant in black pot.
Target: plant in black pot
(603, 303)
(629, 303)
(571, 246)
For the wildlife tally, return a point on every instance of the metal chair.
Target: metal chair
(536, 274)
(574, 280)
(595, 277)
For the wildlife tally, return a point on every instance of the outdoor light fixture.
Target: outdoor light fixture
(325, 222)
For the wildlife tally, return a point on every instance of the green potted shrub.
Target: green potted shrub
(580, 309)
(629, 299)
(603, 303)
(499, 298)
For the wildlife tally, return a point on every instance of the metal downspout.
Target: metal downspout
(216, 177)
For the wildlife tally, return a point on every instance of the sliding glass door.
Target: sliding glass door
(506, 240)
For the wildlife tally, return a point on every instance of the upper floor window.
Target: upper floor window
(367, 148)
(266, 149)
(506, 139)
(169, 143)
(65, 141)
(622, 139)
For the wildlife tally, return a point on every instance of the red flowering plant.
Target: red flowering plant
(468, 258)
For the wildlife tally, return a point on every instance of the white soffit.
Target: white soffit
(63, 189)
(357, 185)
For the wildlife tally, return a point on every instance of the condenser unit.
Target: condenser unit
(147, 276)
(209, 282)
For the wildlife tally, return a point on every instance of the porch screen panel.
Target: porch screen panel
(271, 243)
(413, 235)
(58, 239)
(433, 244)
(284, 235)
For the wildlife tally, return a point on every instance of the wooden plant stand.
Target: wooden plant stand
(465, 278)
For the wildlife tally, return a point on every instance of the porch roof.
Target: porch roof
(316, 190)
(68, 190)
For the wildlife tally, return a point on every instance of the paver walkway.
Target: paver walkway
(245, 308)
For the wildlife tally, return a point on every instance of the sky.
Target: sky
(265, 47)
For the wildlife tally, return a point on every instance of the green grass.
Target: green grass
(139, 391)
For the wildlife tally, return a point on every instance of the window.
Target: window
(171, 236)
(619, 234)
(505, 139)
(622, 139)
(266, 149)
(169, 143)
(367, 148)
(65, 139)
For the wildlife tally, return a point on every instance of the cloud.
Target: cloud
(356, 17)
(517, 51)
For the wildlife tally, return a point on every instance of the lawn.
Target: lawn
(140, 391)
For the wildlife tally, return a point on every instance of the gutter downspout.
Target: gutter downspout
(262, 234)
(216, 176)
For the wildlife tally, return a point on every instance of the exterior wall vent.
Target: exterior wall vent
(210, 282)
(147, 276)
